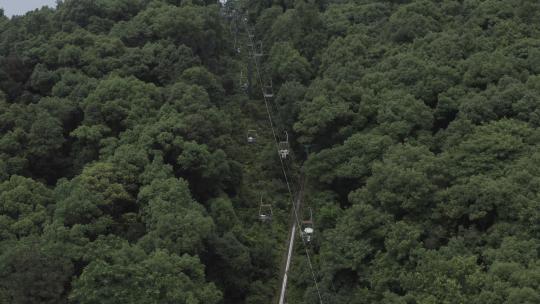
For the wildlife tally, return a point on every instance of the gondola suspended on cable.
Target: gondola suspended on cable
(265, 211)
(283, 147)
(308, 228)
(251, 136)
(243, 82)
(258, 52)
(268, 90)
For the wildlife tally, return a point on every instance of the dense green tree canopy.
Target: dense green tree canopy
(125, 175)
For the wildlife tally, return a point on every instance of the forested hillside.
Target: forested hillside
(126, 177)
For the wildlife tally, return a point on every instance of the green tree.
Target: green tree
(32, 271)
(25, 207)
(286, 64)
(169, 214)
(127, 274)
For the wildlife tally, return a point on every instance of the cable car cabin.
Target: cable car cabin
(307, 233)
(307, 228)
(258, 49)
(265, 211)
(268, 90)
(251, 136)
(283, 149)
(243, 82)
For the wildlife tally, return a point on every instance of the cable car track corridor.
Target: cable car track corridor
(282, 155)
(283, 151)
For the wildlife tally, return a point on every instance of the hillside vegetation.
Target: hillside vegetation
(125, 176)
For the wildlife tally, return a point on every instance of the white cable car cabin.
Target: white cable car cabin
(251, 136)
(268, 91)
(283, 147)
(265, 211)
(307, 228)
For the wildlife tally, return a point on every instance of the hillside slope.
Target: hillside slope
(125, 175)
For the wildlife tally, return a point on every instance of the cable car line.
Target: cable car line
(283, 148)
(298, 222)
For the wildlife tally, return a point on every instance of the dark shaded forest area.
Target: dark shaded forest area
(125, 176)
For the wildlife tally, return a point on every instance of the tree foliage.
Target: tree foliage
(125, 176)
